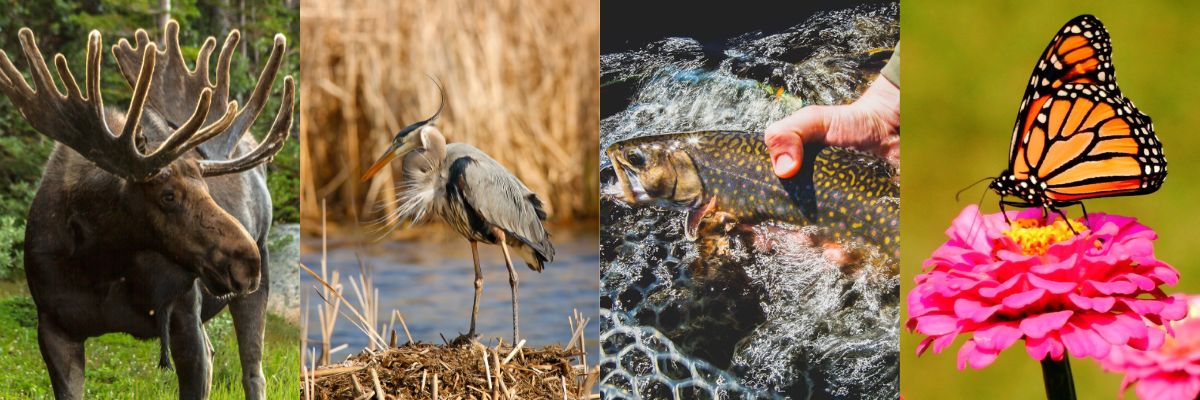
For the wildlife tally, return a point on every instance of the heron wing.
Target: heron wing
(498, 197)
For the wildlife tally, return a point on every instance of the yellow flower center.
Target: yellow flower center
(1035, 238)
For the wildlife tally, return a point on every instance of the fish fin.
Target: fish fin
(691, 227)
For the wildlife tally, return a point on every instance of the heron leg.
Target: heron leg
(478, 287)
(512, 282)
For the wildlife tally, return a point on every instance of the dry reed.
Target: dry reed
(466, 371)
(522, 84)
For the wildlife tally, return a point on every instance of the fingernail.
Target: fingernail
(785, 166)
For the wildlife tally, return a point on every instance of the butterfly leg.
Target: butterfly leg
(1004, 212)
(1082, 207)
(1066, 220)
(1017, 204)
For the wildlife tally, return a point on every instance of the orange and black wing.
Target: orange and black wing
(1085, 143)
(1081, 53)
(1076, 133)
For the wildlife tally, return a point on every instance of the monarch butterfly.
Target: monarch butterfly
(1076, 136)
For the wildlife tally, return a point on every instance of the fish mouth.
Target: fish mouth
(635, 186)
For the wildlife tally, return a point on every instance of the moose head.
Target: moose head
(153, 164)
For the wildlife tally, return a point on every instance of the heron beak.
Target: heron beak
(393, 152)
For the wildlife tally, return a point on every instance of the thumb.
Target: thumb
(785, 139)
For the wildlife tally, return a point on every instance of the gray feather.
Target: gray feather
(501, 199)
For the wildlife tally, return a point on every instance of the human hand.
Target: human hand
(871, 123)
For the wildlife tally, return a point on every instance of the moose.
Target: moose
(151, 221)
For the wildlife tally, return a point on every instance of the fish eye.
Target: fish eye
(636, 159)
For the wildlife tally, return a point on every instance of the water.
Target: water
(432, 283)
(784, 322)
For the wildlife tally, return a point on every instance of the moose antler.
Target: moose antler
(78, 121)
(175, 84)
(265, 150)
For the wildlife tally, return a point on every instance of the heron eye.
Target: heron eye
(636, 159)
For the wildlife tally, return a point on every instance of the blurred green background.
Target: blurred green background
(966, 65)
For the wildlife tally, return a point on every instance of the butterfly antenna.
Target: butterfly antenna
(976, 223)
(960, 191)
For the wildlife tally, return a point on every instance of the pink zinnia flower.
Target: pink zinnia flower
(1043, 284)
(1170, 372)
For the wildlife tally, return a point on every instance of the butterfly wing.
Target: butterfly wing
(1076, 134)
(1081, 53)
(1087, 142)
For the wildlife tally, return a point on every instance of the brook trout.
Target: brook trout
(849, 192)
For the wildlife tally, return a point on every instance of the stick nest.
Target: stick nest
(456, 371)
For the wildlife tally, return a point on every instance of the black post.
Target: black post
(1057, 377)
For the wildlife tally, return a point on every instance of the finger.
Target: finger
(786, 150)
(810, 123)
(785, 139)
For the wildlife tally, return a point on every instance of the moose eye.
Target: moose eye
(168, 196)
(636, 159)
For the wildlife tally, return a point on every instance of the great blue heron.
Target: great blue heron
(472, 193)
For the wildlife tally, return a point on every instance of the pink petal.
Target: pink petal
(973, 310)
(944, 341)
(924, 345)
(1020, 300)
(1038, 326)
(1040, 348)
(1175, 308)
(995, 291)
(936, 324)
(1144, 306)
(1112, 330)
(1103, 304)
(1084, 342)
(1118, 287)
(970, 355)
(1166, 388)
(997, 337)
(1051, 286)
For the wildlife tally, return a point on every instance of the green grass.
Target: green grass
(119, 366)
(966, 65)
